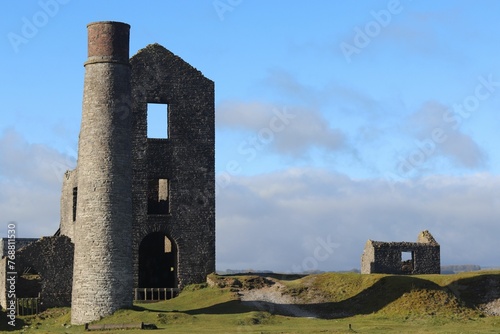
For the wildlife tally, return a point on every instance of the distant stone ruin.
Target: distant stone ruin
(402, 258)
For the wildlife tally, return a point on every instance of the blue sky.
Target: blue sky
(337, 122)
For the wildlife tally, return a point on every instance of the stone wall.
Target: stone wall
(69, 196)
(102, 278)
(3, 283)
(46, 267)
(386, 257)
(368, 258)
(114, 129)
(20, 243)
(186, 158)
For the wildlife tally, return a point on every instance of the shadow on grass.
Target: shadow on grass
(229, 307)
(470, 292)
(477, 290)
(281, 277)
(374, 298)
(6, 327)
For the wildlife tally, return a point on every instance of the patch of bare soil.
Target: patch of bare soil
(492, 299)
(273, 299)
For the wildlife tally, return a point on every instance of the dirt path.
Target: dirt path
(271, 299)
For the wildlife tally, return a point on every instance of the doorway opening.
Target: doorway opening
(157, 262)
(407, 263)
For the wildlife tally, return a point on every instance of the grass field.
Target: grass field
(346, 303)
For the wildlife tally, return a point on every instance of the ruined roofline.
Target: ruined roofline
(163, 52)
(425, 238)
(400, 244)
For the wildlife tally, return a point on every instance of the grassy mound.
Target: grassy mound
(368, 303)
(339, 295)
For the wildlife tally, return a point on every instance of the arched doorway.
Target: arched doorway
(157, 262)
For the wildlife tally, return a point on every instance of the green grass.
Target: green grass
(369, 303)
(402, 296)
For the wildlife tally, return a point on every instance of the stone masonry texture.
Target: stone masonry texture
(102, 276)
(51, 259)
(386, 257)
(20, 243)
(136, 204)
(108, 216)
(186, 159)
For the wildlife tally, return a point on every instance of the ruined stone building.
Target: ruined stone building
(138, 211)
(421, 257)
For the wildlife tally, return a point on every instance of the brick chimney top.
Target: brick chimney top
(108, 41)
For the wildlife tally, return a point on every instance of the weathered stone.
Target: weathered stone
(44, 268)
(386, 257)
(102, 277)
(19, 242)
(186, 159)
(140, 211)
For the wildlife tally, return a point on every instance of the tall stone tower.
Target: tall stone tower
(102, 277)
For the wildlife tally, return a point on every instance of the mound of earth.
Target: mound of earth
(342, 295)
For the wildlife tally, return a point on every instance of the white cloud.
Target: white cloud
(286, 84)
(276, 221)
(451, 143)
(30, 182)
(291, 131)
(296, 219)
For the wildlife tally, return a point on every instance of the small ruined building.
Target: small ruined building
(402, 258)
(138, 211)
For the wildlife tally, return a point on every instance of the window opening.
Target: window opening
(168, 245)
(407, 262)
(29, 283)
(157, 118)
(158, 196)
(405, 256)
(75, 199)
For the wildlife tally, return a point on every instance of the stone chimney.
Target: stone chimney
(102, 273)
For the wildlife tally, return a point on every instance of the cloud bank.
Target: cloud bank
(292, 220)
(290, 131)
(277, 221)
(30, 183)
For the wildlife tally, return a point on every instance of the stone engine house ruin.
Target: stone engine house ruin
(421, 257)
(138, 211)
